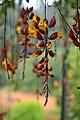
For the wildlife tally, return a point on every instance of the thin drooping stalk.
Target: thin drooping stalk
(64, 18)
(46, 79)
(24, 62)
(5, 49)
(17, 44)
(37, 81)
(77, 6)
(37, 84)
(45, 9)
(55, 46)
(25, 47)
(46, 63)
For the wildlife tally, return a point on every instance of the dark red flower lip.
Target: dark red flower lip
(52, 22)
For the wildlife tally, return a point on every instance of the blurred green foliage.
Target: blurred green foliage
(26, 111)
(76, 106)
(74, 61)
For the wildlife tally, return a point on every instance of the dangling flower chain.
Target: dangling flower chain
(39, 30)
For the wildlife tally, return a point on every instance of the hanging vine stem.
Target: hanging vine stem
(46, 79)
(16, 48)
(64, 18)
(37, 84)
(46, 62)
(25, 47)
(24, 62)
(45, 9)
(5, 49)
(55, 46)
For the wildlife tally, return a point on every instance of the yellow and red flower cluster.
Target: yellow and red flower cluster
(22, 30)
(5, 61)
(39, 30)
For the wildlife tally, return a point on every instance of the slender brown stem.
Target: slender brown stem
(46, 63)
(5, 49)
(24, 62)
(64, 18)
(46, 79)
(45, 9)
(37, 85)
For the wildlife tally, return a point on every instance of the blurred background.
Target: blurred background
(22, 100)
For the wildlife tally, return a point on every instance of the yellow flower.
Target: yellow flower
(56, 36)
(32, 30)
(49, 46)
(8, 66)
(38, 46)
(42, 26)
(59, 35)
(32, 35)
(37, 28)
(36, 18)
(18, 29)
(4, 64)
(23, 39)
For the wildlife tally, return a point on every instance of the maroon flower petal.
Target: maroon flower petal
(23, 50)
(33, 70)
(51, 76)
(39, 36)
(41, 67)
(31, 16)
(37, 53)
(53, 36)
(76, 43)
(75, 28)
(30, 9)
(41, 61)
(50, 69)
(31, 45)
(42, 73)
(22, 13)
(35, 65)
(52, 22)
(30, 53)
(71, 35)
(51, 53)
(40, 44)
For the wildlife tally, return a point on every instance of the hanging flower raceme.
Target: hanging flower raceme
(75, 33)
(9, 66)
(5, 62)
(23, 30)
(39, 30)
